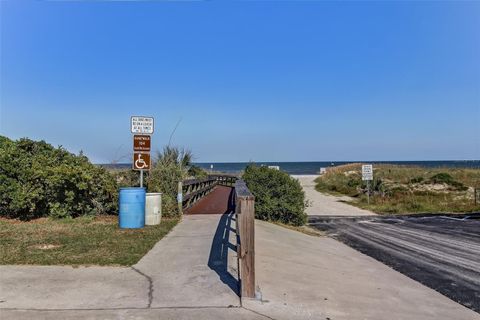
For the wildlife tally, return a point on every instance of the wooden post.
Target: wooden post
(246, 220)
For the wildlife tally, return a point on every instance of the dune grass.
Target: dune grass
(80, 241)
(406, 189)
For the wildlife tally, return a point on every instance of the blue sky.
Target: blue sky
(261, 81)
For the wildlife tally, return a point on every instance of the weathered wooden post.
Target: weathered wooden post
(245, 217)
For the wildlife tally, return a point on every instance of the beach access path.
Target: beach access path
(184, 276)
(191, 274)
(327, 205)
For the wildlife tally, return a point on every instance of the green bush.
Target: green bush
(417, 179)
(443, 177)
(171, 166)
(38, 180)
(278, 197)
(126, 177)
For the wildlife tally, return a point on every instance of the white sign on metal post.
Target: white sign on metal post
(143, 125)
(367, 172)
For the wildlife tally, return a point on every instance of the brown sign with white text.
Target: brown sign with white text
(141, 142)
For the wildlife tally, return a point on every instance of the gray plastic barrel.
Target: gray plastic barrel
(153, 209)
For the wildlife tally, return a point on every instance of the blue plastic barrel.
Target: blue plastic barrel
(131, 208)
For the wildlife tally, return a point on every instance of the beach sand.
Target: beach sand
(327, 205)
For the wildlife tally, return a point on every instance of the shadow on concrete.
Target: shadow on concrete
(218, 259)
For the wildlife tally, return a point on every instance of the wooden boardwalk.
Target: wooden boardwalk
(218, 201)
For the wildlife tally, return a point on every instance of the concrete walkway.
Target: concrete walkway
(327, 205)
(188, 268)
(308, 277)
(191, 274)
(185, 276)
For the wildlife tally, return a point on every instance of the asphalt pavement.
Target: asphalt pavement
(439, 251)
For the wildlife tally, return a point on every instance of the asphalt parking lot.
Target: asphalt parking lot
(439, 251)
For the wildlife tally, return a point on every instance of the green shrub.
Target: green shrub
(38, 180)
(443, 177)
(171, 166)
(278, 197)
(339, 183)
(417, 179)
(197, 172)
(164, 178)
(126, 177)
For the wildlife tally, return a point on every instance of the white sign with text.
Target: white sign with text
(142, 125)
(367, 172)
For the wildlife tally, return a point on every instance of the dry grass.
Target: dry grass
(81, 241)
(405, 189)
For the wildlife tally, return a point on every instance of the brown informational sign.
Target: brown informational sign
(141, 161)
(141, 142)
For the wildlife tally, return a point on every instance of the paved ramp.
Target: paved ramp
(306, 277)
(442, 252)
(189, 267)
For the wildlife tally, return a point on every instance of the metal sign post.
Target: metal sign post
(368, 191)
(367, 175)
(141, 162)
(142, 128)
(180, 197)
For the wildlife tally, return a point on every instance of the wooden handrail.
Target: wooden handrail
(195, 189)
(225, 179)
(245, 225)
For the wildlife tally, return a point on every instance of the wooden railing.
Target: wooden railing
(193, 190)
(225, 180)
(245, 225)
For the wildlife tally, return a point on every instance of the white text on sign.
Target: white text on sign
(143, 125)
(367, 172)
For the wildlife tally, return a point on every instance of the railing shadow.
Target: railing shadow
(218, 259)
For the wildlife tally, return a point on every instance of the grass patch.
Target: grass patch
(80, 241)
(400, 189)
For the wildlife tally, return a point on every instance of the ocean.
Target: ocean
(313, 167)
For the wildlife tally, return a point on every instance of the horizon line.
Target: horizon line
(311, 161)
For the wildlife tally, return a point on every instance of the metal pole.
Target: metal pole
(180, 197)
(141, 178)
(368, 191)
